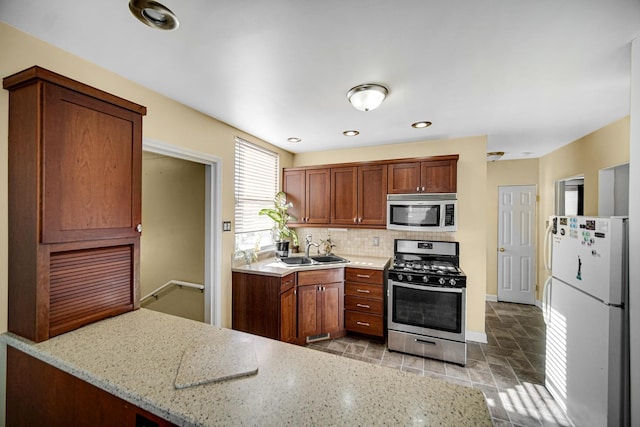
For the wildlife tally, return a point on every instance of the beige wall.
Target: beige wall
(607, 147)
(173, 237)
(502, 173)
(472, 189)
(167, 121)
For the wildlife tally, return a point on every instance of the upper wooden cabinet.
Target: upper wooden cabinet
(358, 195)
(75, 156)
(91, 168)
(309, 190)
(430, 176)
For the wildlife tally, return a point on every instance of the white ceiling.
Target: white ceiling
(532, 75)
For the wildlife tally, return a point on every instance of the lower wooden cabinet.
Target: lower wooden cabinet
(320, 304)
(264, 305)
(364, 301)
(39, 394)
(301, 305)
(288, 309)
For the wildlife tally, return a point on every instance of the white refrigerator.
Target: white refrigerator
(584, 304)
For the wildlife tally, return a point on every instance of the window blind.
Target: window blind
(256, 182)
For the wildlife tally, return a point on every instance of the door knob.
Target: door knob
(501, 249)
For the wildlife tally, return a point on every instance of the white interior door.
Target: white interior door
(516, 244)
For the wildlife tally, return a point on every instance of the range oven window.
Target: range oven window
(423, 215)
(427, 308)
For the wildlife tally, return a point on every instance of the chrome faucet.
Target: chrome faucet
(308, 244)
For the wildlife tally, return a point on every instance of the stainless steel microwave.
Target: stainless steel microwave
(422, 212)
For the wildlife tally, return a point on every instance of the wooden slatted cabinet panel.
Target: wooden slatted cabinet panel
(75, 171)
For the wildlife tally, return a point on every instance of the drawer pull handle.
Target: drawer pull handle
(364, 276)
(363, 323)
(424, 341)
(363, 291)
(363, 305)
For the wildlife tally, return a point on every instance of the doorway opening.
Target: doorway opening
(212, 221)
(569, 196)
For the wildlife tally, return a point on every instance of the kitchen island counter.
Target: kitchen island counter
(136, 356)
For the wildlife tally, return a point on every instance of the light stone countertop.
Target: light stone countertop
(136, 357)
(272, 267)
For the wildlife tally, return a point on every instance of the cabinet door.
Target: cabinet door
(288, 316)
(92, 168)
(439, 176)
(372, 195)
(308, 320)
(344, 196)
(332, 308)
(404, 178)
(318, 200)
(293, 184)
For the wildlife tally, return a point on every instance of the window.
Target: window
(256, 182)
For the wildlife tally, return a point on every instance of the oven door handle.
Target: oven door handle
(427, 288)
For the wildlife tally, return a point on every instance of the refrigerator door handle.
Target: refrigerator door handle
(546, 251)
(546, 300)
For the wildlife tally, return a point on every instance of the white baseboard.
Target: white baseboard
(493, 298)
(477, 336)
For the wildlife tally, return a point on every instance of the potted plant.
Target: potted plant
(281, 231)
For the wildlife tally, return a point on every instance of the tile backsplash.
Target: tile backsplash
(356, 241)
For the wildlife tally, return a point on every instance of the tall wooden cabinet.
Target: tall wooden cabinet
(75, 160)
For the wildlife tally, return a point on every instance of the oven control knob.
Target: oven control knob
(441, 281)
(425, 279)
(452, 282)
(400, 276)
(409, 278)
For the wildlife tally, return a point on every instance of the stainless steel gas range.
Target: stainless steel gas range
(426, 297)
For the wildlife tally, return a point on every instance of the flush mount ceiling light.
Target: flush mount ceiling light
(420, 125)
(367, 97)
(350, 133)
(153, 14)
(494, 155)
(294, 139)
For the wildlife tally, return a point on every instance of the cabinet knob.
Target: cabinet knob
(355, 220)
(139, 228)
(418, 189)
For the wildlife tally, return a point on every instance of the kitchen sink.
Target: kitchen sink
(297, 260)
(316, 259)
(329, 259)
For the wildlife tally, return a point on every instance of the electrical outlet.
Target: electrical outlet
(226, 225)
(376, 241)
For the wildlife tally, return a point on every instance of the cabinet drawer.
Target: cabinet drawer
(288, 282)
(365, 275)
(363, 323)
(315, 277)
(363, 290)
(364, 305)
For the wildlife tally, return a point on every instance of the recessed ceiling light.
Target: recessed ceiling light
(350, 133)
(154, 14)
(419, 125)
(294, 139)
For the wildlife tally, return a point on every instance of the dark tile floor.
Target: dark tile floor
(509, 369)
